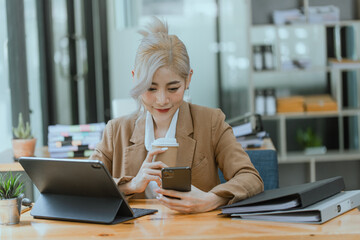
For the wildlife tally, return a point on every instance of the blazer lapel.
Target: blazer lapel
(135, 154)
(184, 131)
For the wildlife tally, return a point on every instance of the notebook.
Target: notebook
(77, 190)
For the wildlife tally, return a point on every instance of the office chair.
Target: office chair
(266, 163)
(122, 106)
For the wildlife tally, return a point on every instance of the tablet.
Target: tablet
(77, 190)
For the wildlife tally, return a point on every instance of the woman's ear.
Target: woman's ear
(189, 79)
(133, 73)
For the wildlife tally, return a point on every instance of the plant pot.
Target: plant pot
(23, 147)
(9, 211)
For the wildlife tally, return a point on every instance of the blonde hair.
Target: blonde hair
(158, 49)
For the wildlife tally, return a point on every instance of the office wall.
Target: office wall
(195, 26)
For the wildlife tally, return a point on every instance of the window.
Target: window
(5, 102)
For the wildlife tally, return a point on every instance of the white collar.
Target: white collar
(149, 129)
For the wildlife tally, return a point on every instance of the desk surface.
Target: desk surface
(7, 162)
(167, 224)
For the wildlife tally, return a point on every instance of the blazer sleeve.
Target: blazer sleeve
(243, 180)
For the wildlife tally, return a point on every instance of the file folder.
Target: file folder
(77, 190)
(317, 213)
(297, 196)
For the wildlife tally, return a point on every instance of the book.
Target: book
(60, 144)
(92, 127)
(65, 136)
(71, 154)
(317, 213)
(297, 196)
(52, 149)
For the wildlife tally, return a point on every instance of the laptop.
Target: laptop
(77, 190)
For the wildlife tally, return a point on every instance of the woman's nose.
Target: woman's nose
(162, 98)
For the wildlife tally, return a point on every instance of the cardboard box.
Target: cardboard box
(319, 103)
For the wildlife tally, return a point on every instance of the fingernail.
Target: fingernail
(164, 149)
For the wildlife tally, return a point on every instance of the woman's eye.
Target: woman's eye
(151, 89)
(173, 89)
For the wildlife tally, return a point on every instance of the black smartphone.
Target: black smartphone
(176, 178)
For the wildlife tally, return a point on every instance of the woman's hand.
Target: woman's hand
(194, 201)
(149, 171)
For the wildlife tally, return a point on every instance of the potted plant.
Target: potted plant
(23, 142)
(11, 194)
(311, 143)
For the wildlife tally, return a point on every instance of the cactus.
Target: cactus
(22, 131)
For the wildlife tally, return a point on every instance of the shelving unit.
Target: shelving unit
(309, 42)
(333, 83)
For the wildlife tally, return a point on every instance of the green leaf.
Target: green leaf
(11, 186)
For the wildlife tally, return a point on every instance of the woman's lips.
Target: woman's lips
(163, 110)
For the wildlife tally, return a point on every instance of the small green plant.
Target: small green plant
(22, 131)
(10, 186)
(308, 138)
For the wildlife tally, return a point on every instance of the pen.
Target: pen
(25, 210)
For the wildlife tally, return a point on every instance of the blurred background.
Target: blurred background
(294, 62)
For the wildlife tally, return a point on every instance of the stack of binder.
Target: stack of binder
(248, 130)
(74, 140)
(315, 202)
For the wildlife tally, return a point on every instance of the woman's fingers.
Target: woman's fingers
(175, 204)
(152, 153)
(170, 193)
(157, 165)
(154, 172)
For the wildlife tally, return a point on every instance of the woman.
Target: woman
(162, 73)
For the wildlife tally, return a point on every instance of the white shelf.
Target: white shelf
(330, 156)
(304, 115)
(326, 24)
(295, 71)
(305, 70)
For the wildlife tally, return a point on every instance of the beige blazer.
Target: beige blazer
(206, 143)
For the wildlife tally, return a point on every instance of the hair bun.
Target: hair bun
(156, 26)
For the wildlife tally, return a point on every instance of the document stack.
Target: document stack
(315, 203)
(74, 140)
(248, 130)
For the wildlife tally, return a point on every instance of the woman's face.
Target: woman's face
(165, 95)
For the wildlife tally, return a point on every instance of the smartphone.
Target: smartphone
(176, 178)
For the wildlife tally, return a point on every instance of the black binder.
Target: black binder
(77, 190)
(297, 196)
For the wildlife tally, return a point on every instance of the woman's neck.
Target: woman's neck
(160, 129)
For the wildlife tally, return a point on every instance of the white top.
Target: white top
(169, 139)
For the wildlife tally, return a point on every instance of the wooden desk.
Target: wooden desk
(167, 224)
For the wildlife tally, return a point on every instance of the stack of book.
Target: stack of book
(74, 140)
(315, 202)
